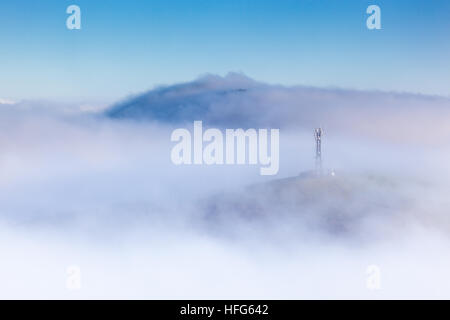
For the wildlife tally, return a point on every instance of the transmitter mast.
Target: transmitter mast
(318, 136)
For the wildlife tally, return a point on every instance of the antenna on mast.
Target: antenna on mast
(318, 136)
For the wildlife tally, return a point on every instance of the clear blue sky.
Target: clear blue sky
(129, 46)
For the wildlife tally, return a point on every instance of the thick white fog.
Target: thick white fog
(97, 191)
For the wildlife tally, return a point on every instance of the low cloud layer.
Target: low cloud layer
(98, 190)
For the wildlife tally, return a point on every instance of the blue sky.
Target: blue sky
(125, 47)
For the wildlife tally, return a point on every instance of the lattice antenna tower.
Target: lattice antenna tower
(318, 132)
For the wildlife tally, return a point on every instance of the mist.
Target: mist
(97, 189)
